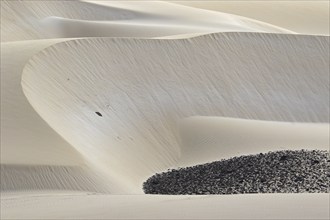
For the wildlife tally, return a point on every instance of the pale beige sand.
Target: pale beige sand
(34, 178)
(61, 19)
(305, 17)
(201, 138)
(75, 206)
(144, 88)
(26, 138)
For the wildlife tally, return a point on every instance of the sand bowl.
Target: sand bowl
(84, 119)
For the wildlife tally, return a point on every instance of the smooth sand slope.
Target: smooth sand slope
(251, 137)
(54, 146)
(24, 127)
(62, 19)
(304, 17)
(28, 144)
(263, 206)
(143, 88)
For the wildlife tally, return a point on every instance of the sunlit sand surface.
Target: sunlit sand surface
(98, 96)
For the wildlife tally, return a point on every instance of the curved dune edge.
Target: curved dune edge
(47, 150)
(23, 20)
(304, 17)
(38, 145)
(19, 119)
(143, 120)
(117, 19)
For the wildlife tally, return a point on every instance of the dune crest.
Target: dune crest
(96, 96)
(141, 111)
(117, 19)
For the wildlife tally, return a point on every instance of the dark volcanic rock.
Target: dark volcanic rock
(274, 172)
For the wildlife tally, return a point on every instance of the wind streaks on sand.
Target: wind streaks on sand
(144, 87)
(146, 67)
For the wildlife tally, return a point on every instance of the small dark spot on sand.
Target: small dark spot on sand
(98, 113)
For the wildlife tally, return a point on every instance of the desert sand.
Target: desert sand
(175, 86)
(75, 206)
(305, 17)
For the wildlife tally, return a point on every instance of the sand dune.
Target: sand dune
(201, 137)
(141, 111)
(26, 138)
(304, 17)
(171, 91)
(116, 19)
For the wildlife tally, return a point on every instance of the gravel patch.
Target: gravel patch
(301, 171)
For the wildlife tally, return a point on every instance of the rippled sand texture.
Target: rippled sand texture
(98, 96)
